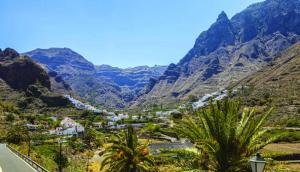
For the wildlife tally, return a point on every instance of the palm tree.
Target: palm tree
(226, 134)
(127, 155)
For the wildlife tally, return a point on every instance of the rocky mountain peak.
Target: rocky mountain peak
(222, 17)
(231, 49)
(64, 61)
(9, 53)
(221, 33)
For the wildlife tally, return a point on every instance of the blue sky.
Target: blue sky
(123, 33)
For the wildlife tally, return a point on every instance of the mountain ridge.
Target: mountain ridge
(103, 85)
(229, 51)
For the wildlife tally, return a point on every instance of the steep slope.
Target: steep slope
(228, 51)
(276, 85)
(63, 61)
(26, 83)
(101, 85)
(132, 78)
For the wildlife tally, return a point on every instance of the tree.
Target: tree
(89, 136)
(176, 115)
(127, 155)
(225, 135)
(17, 134)
(31, 119)
(192, 98)
(61, 160)
(10, 117)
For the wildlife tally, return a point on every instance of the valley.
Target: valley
(233, 98)
(103, 85)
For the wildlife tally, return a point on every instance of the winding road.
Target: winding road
(10, 162)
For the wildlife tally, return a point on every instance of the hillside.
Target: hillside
(276, 85)
(27, 85)
(62, 60)
(103, 85)
(228, 51)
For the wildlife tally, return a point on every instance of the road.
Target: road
(9, 162)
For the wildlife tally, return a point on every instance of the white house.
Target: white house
(115, 118)
(135, 117)
(97, 124)
(162, 113)
(123, 116)
(69, 127)
(67, 122)
(32, 126)
(166, 113)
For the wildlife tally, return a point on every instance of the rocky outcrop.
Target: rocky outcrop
(8, 53)
(21, 72)
(221, 33)
(230, 50)
(20, 75)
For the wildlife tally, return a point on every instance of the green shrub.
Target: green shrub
(152, 127)
(16, 135)
(8, 107)
(10, 117)
(285, 136)
(293, 123)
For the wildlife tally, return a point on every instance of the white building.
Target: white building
(115, 118)
(69, 127)
(218, 95)
(80, 105)
(97, 125)
(166, 113)
(135, 117)
(32, 126)
(162, 113)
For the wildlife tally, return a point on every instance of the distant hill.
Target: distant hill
(277, 85)
(133, 78)
(27, 85)
(228, 51)
(64, 61)
(104, 85)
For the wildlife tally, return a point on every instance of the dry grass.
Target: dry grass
(286, 147)
(285, 168)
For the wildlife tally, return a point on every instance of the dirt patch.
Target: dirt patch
(288, 147)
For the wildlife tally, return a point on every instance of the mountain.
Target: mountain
(228, 51)
(277, 85)
(103, 85)
(27, 84)
(135, 78)
(64, 61)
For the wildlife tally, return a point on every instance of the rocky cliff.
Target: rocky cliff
(228, 51)
(26, 83)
